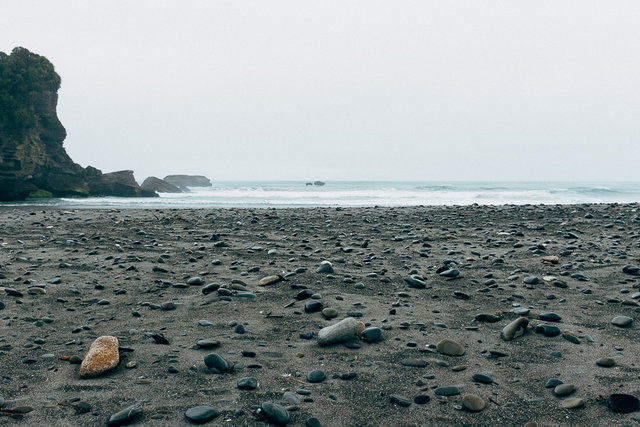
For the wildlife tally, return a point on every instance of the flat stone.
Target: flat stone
(330, 313)
(572, 403)
(400, 400)
(450, 348)
(606, 362)
(487, 318)
(564, 389)
(473, 403)
(208, 343)
(552, 383)
(325, 268)
(547, 330)
(124, 417)
(102, 356)
(447, 391)
(621, 321)
(422, 399)
(313, 306)
(201, 414)
(481, 378)
(416, 363)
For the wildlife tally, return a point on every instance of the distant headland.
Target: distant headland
(33, 161)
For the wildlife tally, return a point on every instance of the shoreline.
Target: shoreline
(124, 273)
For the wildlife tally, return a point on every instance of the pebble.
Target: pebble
(606, 362)
(400, 400)
(564, 389)
(515, 329)
(487, 318)
(125, 416)
(573, 403)
(275, 413)
(316, 376)
(622, 403)
(447, 391)
(482, 378)
(422, 399)
(450, 348)
(325, 268)
(547, 330)
(313, 306)
(247, 383)
(371, 334)
(621, 321)
(201, 414)
(550, 317)
(330, 313)
(342, 331)
(102, 356)
(473, 403)
(217, 363)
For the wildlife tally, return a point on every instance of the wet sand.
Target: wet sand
(133, 273)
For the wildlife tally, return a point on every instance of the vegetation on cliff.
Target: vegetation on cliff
(23, 77)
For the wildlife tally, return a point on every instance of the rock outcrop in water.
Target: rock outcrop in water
(182, 181)
(160, 185)
(33, 161)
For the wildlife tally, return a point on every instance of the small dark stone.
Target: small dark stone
(313, 306)
(247, 383)
(124, 417)
(623, 403)
(421, 399)
(217, 363)
(481, 378)
(201, 414)
(277, 414)
(159, 338)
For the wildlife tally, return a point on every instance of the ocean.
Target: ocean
(364, 193)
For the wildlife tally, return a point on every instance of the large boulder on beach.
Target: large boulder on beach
(102, 356)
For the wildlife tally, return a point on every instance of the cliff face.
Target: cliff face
(33, 160)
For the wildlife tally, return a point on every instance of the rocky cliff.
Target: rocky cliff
(33, 161)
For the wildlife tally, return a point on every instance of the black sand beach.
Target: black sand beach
(416, 276)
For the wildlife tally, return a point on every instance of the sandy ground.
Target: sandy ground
(97, 271)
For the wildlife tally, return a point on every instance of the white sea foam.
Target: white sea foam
(297, 194)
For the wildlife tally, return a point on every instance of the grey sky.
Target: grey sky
(361, 90)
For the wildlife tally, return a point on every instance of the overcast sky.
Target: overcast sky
(357, 90)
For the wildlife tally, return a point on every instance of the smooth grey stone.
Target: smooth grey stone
(571, 338)
(247, 383)
(124, 417)
(291, 398)
(330, 313)
(313, 306)
(531, 280)
(521, 311)
(416, 363)
(344, 330)
(606, 362)
(447, 391)
(207, 343)
(325, 269)
(201, 414)
(217, 362)
(195, 281)
(450, 273)
(205, 322)
(415, 283)
(316, 376)
(564, 389)
(277, 414)
(552, 383)
(167, 306)
(400, 400)
(621, 321)
(514, 329)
